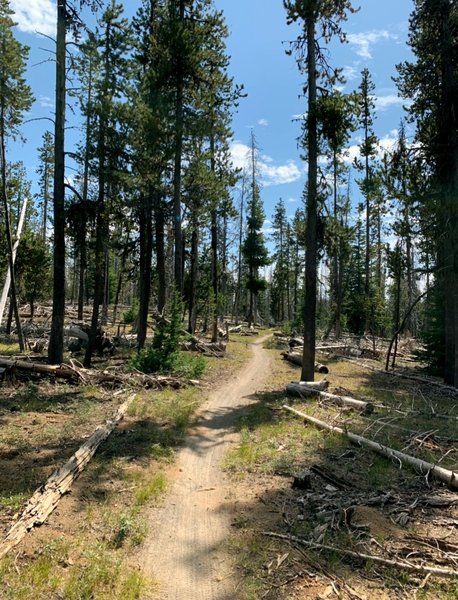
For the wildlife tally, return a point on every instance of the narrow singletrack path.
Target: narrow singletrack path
(185, 549)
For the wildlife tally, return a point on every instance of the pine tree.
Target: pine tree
(367, 151)
(254, 248)
(45, 172)
(431, 82)
(337, 120)
(280, 301)
(114, 42)
(67, 18)
(320, 19)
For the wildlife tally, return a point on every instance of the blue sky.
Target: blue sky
(377, 37)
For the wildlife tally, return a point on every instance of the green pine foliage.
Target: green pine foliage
(163, 355)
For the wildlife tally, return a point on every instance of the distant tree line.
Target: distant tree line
(155, 207)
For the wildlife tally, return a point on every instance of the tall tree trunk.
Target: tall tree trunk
(120, 276)
(214, 271)
(146, 249)
(56, 340)
(82, 264)
(159, 222)
(311, 254)
(449, 210)
(100, 237)
(224, 304)
(45, 201)
(214, 251)
(106, 287)
(194, 277)
(238, 291)
(83, 217)
(179, 117)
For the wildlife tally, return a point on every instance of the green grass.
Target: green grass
(13, 502)
(153, 489)
(99, 574)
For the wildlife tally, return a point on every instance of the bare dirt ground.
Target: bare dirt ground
(185, 550)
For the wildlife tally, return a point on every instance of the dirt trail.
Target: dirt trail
(185, 547)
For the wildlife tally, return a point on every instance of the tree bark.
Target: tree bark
(179, 118)
(308, 365)
(56, 341)
(146, 248)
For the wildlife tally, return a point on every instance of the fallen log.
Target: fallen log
(45, 499)
(76, 332)
(93, 376)
(296, 358)
(294, 389)
(421, 466)
(210, 348)
(60, 371)
(303, 388)
(395, 562)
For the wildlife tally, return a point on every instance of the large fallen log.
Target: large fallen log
(421, 466)
(296, 359)
(299, 390)
(94, 376)
(45, 499)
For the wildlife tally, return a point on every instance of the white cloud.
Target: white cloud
(37, 16)
(364, 41)
(385, 144)
(46, 102)
(263, 122)
(384, 102)
(292, 200)
(270, 173)
(351, 72)
(388, 142)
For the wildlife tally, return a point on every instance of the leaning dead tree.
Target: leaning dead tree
(421, 466)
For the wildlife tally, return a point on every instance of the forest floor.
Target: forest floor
(175, 504)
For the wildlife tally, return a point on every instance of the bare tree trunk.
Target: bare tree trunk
(159, 221)
(146, 248)
(311, 257)
(179, 117)
(56, 340)
(194, 278)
